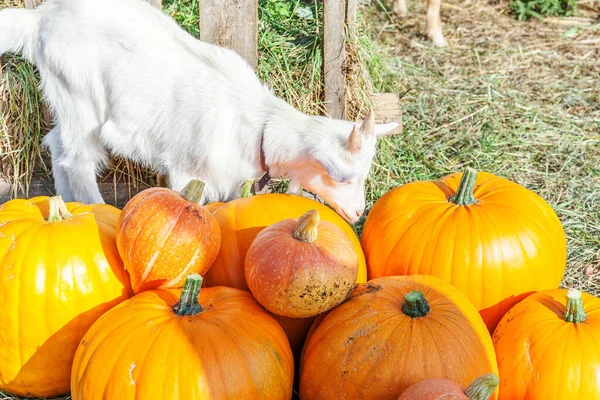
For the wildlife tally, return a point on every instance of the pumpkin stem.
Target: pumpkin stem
(193, 191)
(306, 228)
(188, 302)
(415, 305)
(575, 312)
(58, 210)
(464, 194)
(483, 387)
(247, 188)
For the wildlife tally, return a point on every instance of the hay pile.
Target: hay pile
(290, 61)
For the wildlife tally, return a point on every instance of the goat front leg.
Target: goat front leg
(79, 162)
(61, 180)
(434, 24)
(399, 8)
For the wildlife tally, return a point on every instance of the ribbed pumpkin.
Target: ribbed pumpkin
(392, 333)
(548, 347)
(242, 219)
(492, 238)
(482, 388)
(174, 344)
(163, 235)
(212, 207)
(301, 267)
(60, 271)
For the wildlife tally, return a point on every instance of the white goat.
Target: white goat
(120, 75)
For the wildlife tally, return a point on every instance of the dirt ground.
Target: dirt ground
(518, 99)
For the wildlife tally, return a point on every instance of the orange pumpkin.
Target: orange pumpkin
(242, 219)
(212, 207)
(60, 271)
(163, 235)
(301, 267)
(296, 330)
(482, 388)
(391, 333)
(547, 347)
(493, 239)
(177, 344)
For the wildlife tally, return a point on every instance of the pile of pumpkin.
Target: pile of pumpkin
(168, 299)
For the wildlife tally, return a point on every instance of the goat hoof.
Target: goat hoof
(438, 39)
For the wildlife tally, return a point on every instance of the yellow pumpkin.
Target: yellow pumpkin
(60, 272)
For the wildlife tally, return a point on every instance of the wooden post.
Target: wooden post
(351, 12)
(156, 3)
(31, 3)
(232, 24)
(334, 55)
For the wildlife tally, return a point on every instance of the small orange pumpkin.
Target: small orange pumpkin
(301, 267)
(492, 238)
(482, 388)
(163, 235)
(184, 344)
(547, 347)
(391, 333)
(242, 219)
(59, 272)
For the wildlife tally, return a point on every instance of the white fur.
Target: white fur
(121, 76)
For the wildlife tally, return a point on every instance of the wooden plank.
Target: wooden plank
(351, 12)
(32, 3)
(334, 55)
(387, 108)
(115, 194)
(232, 24)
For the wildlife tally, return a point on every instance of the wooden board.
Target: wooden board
(116, 195)
(387, 108)
(232, 24)
(334, 55)
(31, 3)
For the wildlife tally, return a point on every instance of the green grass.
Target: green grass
(526, 9)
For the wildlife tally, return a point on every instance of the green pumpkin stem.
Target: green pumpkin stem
(464, 194)
(483, 387)
(247, 188)
(193, 191)
(58, 210)
(307, 227)
(415, 305)
(575, 312)
(188, 302)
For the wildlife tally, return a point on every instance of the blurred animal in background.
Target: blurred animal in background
(434, 22)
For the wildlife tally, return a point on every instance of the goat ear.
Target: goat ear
(354, 142)
(368, 126)
(334, 166)
(387, 129)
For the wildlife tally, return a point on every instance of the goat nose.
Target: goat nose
(359, 213)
